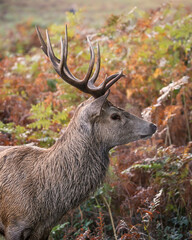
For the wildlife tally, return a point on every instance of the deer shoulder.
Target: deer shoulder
(39, 186)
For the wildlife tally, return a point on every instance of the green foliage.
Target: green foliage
(175, 229)
(44, 119)
(169, 172)
(19, 132)
(7, 128)
(148, 189)
(52, 84)
(84, 220)
(57, 231)
(42, 115)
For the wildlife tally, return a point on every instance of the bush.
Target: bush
(147, 194)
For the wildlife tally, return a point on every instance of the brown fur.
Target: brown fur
(38, 186)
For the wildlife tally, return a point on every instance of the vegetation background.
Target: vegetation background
(148, 189)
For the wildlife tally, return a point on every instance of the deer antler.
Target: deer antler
(87, 84)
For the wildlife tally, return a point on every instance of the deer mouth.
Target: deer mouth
(152, 128)
(146, 136)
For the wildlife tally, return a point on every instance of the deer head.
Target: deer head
(108, 124)
(38, 186)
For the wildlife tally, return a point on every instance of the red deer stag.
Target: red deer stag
(39, 186)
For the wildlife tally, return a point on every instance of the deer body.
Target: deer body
(39, 186)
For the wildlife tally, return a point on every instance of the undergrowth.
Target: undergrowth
(148, 190)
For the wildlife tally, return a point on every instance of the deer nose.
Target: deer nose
(153, 127)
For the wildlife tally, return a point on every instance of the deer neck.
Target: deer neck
(78, 148)
(79, 163)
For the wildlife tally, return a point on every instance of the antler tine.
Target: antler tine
(108, 82)
(63, 68)
(61, 65)
(113, 80)
(55, 61)
(96, 91)
(43, 44)
(91, 63)
(66, 43)
(102, 86)
(64, 54)
(97, 70)
(108, 79)
(65, 49)
(87, 84)
(64, 59)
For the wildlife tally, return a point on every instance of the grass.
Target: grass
(51, 11)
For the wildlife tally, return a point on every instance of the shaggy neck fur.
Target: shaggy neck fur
(78, 162)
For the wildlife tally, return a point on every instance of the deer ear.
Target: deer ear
(97, 104)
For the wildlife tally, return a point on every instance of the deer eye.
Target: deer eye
(115, 116)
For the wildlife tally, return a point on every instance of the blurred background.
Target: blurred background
(47, 12)
(147, 194)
